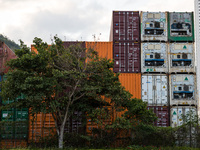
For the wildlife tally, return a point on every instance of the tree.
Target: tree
(59, 81)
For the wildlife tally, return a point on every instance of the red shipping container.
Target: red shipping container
(6, 54)
(66, 44)
(125, 26)
(162, 112)
(127, 57)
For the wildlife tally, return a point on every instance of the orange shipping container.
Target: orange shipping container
(13, 143)
(132, 83)
(104, 49)
(40, 126)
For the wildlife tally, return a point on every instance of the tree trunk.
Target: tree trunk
(60, 138)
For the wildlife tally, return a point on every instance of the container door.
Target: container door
(133, 61)
(119, 25)
(174, 114)
(133, 23)
(119, 57)
(147, 94)
(180, 116)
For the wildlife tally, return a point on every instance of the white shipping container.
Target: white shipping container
(155, 89)
(154, 57)
(179, 114)
(181, 24)
(154, 26)
(181, 57)
(182, 89)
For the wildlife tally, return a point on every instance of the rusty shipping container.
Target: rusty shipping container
(127, 57)
(104, 49)
(162, 112)
(125, 26)
(6, 54)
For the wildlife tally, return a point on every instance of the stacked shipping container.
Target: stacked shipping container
(182, 76)
(125, 34)
(154, 64)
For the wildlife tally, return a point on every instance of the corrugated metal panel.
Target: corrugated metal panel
(33, 49)
(66, 44)
(182, 89)
(125, 26)
(40, 126)
(6, 54)
(181, 57)
(13, 143)
(181, 26)
(132, 83)
(162, 112)
(104, 49)
(177, 113)
(153, 26)
(154, 57)
(155, 89)
(90, 125)
(127, 57)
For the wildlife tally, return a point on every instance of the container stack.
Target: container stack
(154, 64)
(125, 34)
(182, 76)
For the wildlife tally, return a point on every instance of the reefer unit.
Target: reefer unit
(162, 112)
(178, 113)
(155, 89)
(153, 26)
(125, 26)
(154, 57)
(126, 57)
(181, 26)
(182, 89)
(181, 57)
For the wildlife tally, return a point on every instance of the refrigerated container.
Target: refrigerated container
(155, 89)
(181, 26)
(153, 26)
(154, 57)
(126, 57)
(125, 26)
(181, 57)
(162, 112)
(104, 49)
(182, 89)
(180, 114)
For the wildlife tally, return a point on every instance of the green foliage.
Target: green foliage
(10, 43)
(60, 81)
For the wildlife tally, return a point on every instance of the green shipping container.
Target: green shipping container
(181, 26)
(14, 123)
